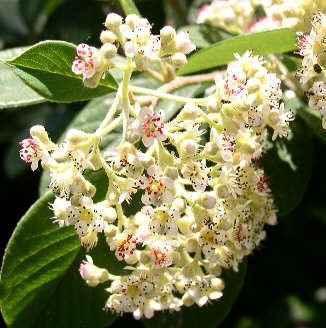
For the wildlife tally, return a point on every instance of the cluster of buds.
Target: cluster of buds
(312, 47)
(239, 16)
(199, 196)
(134, 36)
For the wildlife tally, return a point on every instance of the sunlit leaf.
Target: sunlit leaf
(261, 43)
(10, 83)
(46, 68)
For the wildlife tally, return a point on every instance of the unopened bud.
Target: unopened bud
(39, 132)
(178, 59)
(131, 20)
(75, 136)
(108, 37)
(167, 37)
(189, 147)
(187, 300)
(110, 231)
(190, 111)
(108, 51)
(191, 245)
(113, 21)
(211, 148)
(222, 191)
(207, 201)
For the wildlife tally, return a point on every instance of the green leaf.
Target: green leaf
(288, 163)
(203, 35)
(312, 119)
(129, 7)
(208, 316)
(37, 255)
(10, 83)
(46, 68)
(261, 43)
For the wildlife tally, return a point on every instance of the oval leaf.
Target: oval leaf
(37, 255)
(288, 163)
(208, 316)
(10, 83)
(46, 68)
(203, 35)
(312, 119)
(261, 43)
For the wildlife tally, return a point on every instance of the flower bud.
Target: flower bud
(110, 231)
(108, 51)
(188, 147)
(191, 245)
(187, 300)
(253, 85)
(167, 36)
(189, 111)
(222, 191)
(211, 148)
(75, 136)
(108, 37)
(39, 132)
(213, 105)
(92, 274)
(131, 20)
(179, 203)
(178, 59)
(207, 200)
(113, 21)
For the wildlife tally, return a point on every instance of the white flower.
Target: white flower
(159, 220)
(31, 152)
(150, 126)
(87, 62)
(126, 160)
(184, 44)
(197, 173)
(158, 188)
(125, 244)
(161, 253)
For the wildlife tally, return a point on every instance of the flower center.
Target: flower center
(153, 126)
(155, 186)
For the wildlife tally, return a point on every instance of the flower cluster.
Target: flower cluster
(240, 16)
(134, 36)
(312, 47)
(198, 196)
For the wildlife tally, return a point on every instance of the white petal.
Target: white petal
(215, 295)
(147, 141)
(202, 301)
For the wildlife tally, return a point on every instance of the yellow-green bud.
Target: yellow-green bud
(39, 132)
(178, 59)
(113, 21)
(108, 51)
(75, 136)
(108, 37)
